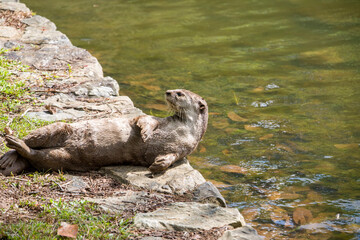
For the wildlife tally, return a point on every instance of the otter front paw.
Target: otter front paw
(162, 162)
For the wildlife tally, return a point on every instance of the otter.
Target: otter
(145, 140)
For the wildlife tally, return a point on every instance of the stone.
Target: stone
(178, 179)
(37, 36)
(242, 233)
(40, 22)
(122, 105)
(14, 6)
(58, 116)
(75, 185)
(126, 199)
(8, 32)
(189, 216)
(208, 193)
(111, 83)
(101, 92)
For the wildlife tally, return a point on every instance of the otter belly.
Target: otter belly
(103, 142)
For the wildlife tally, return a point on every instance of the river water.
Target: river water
(281, 79)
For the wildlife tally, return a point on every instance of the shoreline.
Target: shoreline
(67, 84)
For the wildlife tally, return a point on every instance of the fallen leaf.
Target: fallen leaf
(265, 137)
(257, 90)
(347, 146)
(202, 149)
(51, 109)
(233, 169)
(152, 87)
(274, 196)
(219, 184)
(302, 216)
(284, 147)
(233, 116)
(226, 152)
(290, 196)
(67, 230)
(231, 130)
(252, 128)
(250, 213)
(313, 196)
(161, 107)
(280, 216)
(220, 124)
(8, 131)
(199, 161)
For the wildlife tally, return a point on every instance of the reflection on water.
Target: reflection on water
(282, 82)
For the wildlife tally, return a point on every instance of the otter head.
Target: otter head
(190, 107)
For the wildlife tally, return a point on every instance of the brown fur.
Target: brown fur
(146, 140)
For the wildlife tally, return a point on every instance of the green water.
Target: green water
(281, 79)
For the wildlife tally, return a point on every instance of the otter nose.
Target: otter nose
(168, 93)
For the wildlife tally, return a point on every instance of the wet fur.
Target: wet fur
(88, 145)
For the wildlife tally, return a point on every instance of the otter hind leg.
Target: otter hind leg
(43, 159)
(12, 163)
(18, 145)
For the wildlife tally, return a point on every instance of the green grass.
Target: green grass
(13, 91)
(92, 223)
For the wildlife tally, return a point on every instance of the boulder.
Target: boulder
(179, 179)
(242, 233)
(189, 216)
(208, 193)
(14, 6)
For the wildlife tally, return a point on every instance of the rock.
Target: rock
(179, 179)
(242, 233)
(189, 216)
(40, 22)
(14, 6)
(101, 92)
(121, 105)
(75, 185)
(126, 200)
(37, 36)
(104, 87)
(58, 116)
(8, 32)
(208, 193)
(111, 83)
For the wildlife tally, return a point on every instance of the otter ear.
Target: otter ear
(201, 107)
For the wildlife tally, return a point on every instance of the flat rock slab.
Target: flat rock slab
(242, 233)
(179, 179)
(189, 216)
(124, 200)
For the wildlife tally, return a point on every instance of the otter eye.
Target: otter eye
(180, 94)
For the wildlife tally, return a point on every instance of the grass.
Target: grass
(39, 216)
(13, 91)
(35, 211)
(92, 223)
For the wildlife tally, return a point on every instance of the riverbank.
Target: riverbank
(66, 83)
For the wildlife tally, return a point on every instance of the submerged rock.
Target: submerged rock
(189, 216)
(242, 233)
(208, 193)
